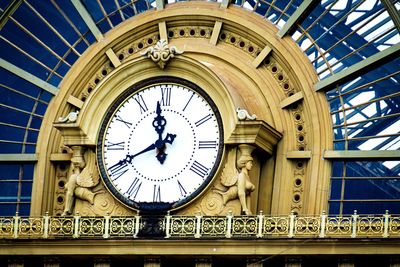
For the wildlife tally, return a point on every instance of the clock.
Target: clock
(160, 144)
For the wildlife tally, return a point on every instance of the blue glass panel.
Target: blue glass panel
(13, 117)
(11, 133)
(7, 209)
(10, 54)
(369, 169)
(14, 99)
(36, 122)
(32, 136)
(109, 6)
(28, 171)
(337, 168)
(24, 15)
(334, 207)
(336, 189)
(40, 109)
(9, 192)
(104, 26)
(115, 18)
(4, 4)
(141, 6)
(372, 189)
(63, 68)
(26, 191)
(70, 11)
(56, 19)
(10, 148)
(81, 46)
(30, 148)
(24, 209)
(9, 171)
(11, 80)
(94, 9)
(371, 207)
(128, 11)
(339, 145)
(54, 80)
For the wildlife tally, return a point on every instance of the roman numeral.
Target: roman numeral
(115, 146)
(127, 123)
(207, 144)
(165, 96)
(181, 189)
(118, 170)
(157, 194)
(140, 101)
(188, 102)
(203, 120)
(134, 188)
(199, 169)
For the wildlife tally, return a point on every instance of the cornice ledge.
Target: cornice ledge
(73, 134)
(257, 132)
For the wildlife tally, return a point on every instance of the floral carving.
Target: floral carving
(161, 53)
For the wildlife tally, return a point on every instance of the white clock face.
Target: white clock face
(160, 144)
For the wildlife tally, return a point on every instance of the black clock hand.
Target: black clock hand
(129, 158)
(159, 123)
(161, 155)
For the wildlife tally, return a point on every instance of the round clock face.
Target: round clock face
(160, 144)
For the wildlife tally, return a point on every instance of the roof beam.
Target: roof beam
(393, 13)
(301, 12)
(9, 11)
(360, 155)
(18, 157)
(29, 77)
(358, 69)
(87, 19)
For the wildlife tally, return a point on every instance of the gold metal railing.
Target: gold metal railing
(197, 227)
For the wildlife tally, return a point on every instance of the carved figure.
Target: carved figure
(237, 179)
(79, 181)
(71, 117)
(243, 114)
(161, 53)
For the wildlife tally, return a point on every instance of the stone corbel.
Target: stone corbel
(257, 133)
(73, 134)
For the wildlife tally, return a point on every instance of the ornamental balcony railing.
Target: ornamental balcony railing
(205, 227)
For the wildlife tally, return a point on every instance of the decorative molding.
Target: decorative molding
(243, 114)
(70, 118)
(258, 133)
(161, 53)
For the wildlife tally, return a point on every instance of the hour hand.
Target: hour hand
(161, 155)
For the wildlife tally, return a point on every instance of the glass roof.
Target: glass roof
(45, 38)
